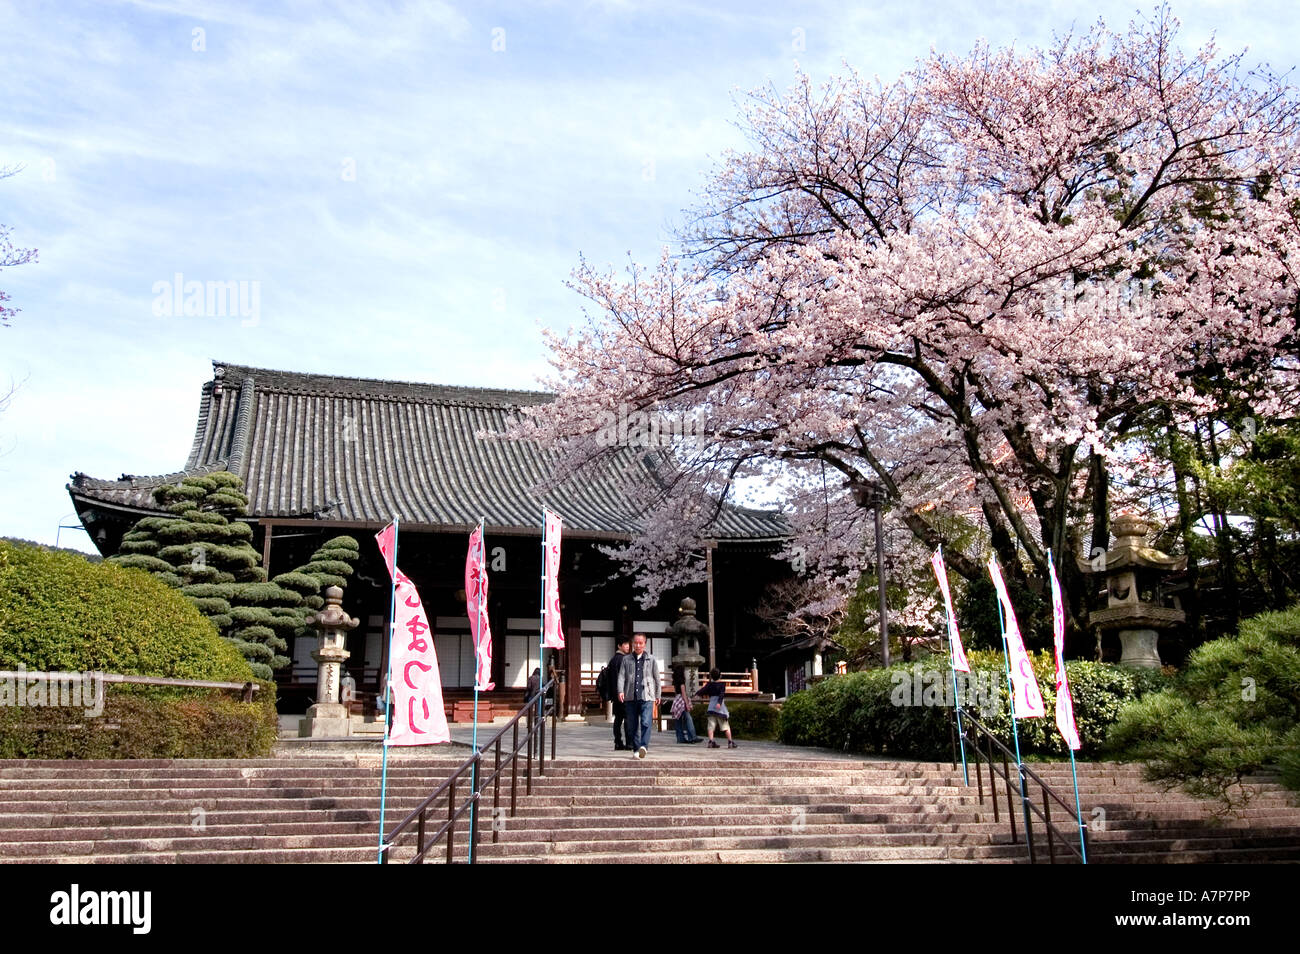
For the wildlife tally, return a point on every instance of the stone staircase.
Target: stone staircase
(841, 811)
(324, 808)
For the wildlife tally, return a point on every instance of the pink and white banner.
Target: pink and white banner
(552, 631)
(1028, 701)
(1064, 704)
(954, 637)
(476, 592)
(416, 697)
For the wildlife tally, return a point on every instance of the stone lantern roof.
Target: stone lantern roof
(1130, 549)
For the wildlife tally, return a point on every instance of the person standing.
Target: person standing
(614, 673)
(719, 718)
(682, 708)
(639, 687)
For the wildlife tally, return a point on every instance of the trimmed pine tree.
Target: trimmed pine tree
(205, 550)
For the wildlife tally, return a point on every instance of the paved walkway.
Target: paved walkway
(583, 740)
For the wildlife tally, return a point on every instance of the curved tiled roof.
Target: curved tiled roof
(356, 449)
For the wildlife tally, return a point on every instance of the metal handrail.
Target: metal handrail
(1028, 809)
(536, 732)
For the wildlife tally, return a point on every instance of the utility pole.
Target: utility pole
(872, 495)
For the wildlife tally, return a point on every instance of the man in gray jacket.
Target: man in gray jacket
(640, 683)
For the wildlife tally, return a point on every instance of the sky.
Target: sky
(391, 190)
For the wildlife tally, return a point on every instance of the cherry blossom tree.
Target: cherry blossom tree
(10, 256)
(964, 288)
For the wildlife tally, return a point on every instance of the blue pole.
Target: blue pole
(388, 691)
(1074, 774)
(1015, 731)
(956, 697)
(1078, 811)
(961, 737)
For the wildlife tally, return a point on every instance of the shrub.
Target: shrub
(1232, 712)
(878, 711)
(749, 720)
(145, 725)
(59, 612)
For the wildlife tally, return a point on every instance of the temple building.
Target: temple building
(322, 455)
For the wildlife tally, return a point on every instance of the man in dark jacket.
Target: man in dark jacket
(622, 737)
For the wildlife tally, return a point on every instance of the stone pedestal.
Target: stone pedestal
(329, 717)
(1139, 648)
(326, 720)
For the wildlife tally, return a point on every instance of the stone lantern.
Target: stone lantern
(329, 717)
(1133, 572)
(687, 633)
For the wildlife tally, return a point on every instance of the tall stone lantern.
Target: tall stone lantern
(329, 718)
(687, 633)
(1133, 572)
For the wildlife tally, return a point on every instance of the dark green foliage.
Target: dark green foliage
(1232, 712)
(59, 612)
(224, 591)
(1289, 763)
(142, 561)
(980, 622)
(301, 583)
(210, 607)
(904, 710)
(749, 720)
(145, 725)
(330, 565)
(204, 549)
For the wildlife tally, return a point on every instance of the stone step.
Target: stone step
(325, 808)
(564, 840)
(355, 855)
(176, 830)
(913, 854)
(108, 847)
(181, 806)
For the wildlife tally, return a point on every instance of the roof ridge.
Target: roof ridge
(271, 379)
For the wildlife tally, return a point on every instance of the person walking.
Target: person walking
(682, 708)
(640, 685)
(719, 718)
(614, 673)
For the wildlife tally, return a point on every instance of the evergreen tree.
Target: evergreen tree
(204, 549)
(330, 565)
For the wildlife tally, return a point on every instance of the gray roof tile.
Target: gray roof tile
(356, 449)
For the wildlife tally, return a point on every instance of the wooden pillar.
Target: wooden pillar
(268, 529)
(498, 624)
(573, 646)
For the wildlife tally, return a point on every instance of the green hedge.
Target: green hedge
(749, 720)
(193, 723)
(59, 612)
(904, 710)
